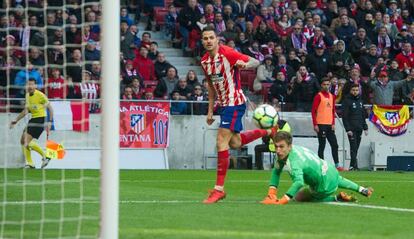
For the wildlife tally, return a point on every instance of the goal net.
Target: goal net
(58, 45)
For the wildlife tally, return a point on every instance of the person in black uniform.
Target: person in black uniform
(354, 122)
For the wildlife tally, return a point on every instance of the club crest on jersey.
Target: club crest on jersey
(137, 123)
(216, 77)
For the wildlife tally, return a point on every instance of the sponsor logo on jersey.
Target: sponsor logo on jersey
(216, 77)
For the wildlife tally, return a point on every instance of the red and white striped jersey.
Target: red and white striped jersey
(90, 91)
(225, 78)
(87, 90)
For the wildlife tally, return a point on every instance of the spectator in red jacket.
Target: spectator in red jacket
(405, 59)
(56, 87)
(144, 65)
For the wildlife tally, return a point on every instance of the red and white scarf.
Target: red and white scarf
(309, 32)
(305, 77)
(383, 42)
(318, 41)
(132, 72)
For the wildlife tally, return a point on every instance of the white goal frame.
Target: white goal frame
(109, 195)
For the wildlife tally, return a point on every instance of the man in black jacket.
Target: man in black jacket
(127, 44)
(279, 88)
(359, 44)
(368, 61)
(305, 87)
(318, 62)
(161, 66)
(188, 18)
(354, 122)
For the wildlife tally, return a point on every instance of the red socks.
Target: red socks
(222, 166)
(252, 135)
(223, 156)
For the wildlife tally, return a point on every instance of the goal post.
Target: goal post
(109, 195)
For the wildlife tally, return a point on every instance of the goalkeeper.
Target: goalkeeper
(268, 145)
(306, 168)
(36, 102)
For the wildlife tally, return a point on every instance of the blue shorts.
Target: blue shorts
(231, 117)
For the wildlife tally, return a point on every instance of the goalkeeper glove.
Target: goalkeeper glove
(272, 191)
(284, 200)
(271, 197)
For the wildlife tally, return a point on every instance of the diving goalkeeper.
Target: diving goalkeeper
(36, 104)
(314, 179)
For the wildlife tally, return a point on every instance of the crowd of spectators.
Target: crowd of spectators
(58, 44)
(300, 42)
(368, 43)
(55, 42)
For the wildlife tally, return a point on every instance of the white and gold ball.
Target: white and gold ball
(265, 116)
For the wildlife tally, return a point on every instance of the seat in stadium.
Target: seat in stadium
(251, 76)
(247, 78)
(159, 15)
(265, 91)
(150, 83)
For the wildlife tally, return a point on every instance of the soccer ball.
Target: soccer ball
(265, 116)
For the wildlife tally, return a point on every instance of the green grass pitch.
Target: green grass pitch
(167, 204)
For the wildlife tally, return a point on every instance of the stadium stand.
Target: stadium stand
(54, 33)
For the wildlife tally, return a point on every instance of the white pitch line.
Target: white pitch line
(246, 181)
(185, 181)
(396, 209)
(257, 202)
(163, 202)
(382, 181)
(121, 202)
(196, 233)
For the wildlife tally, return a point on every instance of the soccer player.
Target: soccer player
(36, 102)
(306, 168)
(268, 145)
(221, 66)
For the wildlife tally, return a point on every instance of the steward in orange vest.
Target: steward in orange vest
(323, 118)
